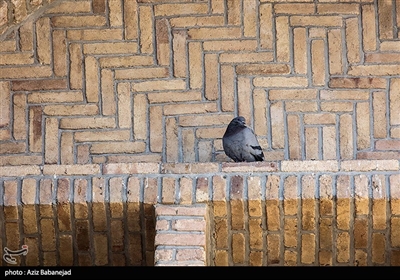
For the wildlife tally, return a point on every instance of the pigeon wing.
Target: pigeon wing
(252, 150)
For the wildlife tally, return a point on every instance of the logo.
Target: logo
(10, 254)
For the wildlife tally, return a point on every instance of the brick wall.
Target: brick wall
(94, 91)
(14, 12)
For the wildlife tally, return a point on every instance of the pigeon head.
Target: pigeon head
(235, 124)
(238, 121)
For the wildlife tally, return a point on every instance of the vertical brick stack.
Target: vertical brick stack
(181, 235)
(112, 106)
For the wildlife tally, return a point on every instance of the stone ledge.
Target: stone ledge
(201, 168)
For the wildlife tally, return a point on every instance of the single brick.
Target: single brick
(221, 258)
(378, 248)
(237, 209)
(32, 259)
(48, 235)
(290, 258)
(256, 258)
(180, 239)
(343, 202)
(343, 247)
(238, 248)
(293, 166)
(361, 200)
(256, 234)
(360, 233)
(221, 233)
(189, 225)
(395, 231)
(197, 254)
(117, 236)
(130, 168)
(50, 258)
(135, 249)
(290, 194)
(395, 194)
(66, 250)
(360, 257)
(163, 255)
(29, 219)
(325, 258)
(290, 232)
(100, 243)
(308, 248)
(325, 233)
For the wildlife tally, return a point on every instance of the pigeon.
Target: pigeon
(240, 143)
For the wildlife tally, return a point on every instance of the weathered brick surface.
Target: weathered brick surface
(133, 74)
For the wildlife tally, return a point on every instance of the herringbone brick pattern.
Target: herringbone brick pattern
(121, 81)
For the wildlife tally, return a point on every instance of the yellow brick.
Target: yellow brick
(190, 21)
(295, 8)
(273, 249)
(70, 110)
(385, 20)
(363, 126)
(59, 53)
(177, 109)
(230, 45)
(139, 117)
(337, 8)
(249, 18)
(125, 61)
(318, 62)
(330, 21)
(180, 9)
(311, 139)
(211, 76)
(25, 72)
(227, 88)
(16, 58)
(78, 21)
(91, 79)
(343, 247)
(70, 8)
(130, 22)
(352, 40)
(266, 33)
(156, 125)
(374, 70)
(75, 71)
(179, 47)
(146, 29)
(118, 147)
(159, 85)
(335, 56)
(346, 136)
(296, 82)
(205, 33)
(43, 42)
(369, 27)
(300, 50)
(282, 39)
(171, 139)
(277, 128)
(110, 48)
(329, 142)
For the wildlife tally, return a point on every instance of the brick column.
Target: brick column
(181, 235)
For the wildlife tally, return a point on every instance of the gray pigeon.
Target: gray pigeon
(240, 142)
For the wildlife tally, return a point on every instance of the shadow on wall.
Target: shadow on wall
(79, 234)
